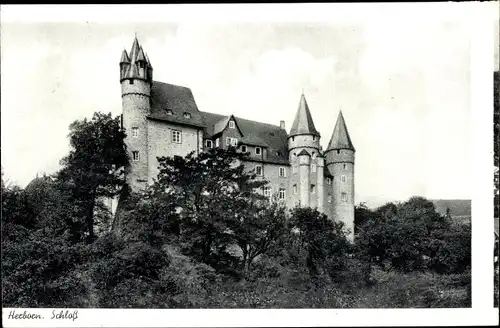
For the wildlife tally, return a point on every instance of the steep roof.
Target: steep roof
(340, 137)
(268, 136)
(125, 58)
(303, 123)
(179, 100)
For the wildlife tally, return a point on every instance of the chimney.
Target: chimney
(282, 125)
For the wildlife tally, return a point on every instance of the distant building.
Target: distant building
(162, 119)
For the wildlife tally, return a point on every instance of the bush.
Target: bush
(130, 276)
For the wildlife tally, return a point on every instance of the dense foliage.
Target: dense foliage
(203, 236)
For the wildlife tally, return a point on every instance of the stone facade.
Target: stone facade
(163, 120)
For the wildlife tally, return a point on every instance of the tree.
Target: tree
(261, 229)
(213, 194)
(324, 241)
(94, 167)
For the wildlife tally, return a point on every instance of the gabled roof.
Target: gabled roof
(179, 100)
(303, 123)
(340, 137)
(268, 136)
(221, 125)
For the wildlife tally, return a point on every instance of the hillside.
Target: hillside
(458, 207)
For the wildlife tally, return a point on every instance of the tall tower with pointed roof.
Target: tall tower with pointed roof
(304, 156)
(136, 78)
(340, 164)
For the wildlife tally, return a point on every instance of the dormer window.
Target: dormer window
(232, 125)
(328, 181)
(169, 112)
(187, 115)
(209, 144)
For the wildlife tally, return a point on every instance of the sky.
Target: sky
(403, 85)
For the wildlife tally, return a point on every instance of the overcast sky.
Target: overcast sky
(403, 86)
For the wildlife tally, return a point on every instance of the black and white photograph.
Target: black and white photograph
(283, 157)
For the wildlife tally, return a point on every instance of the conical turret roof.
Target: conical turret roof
(125, 58)
(135, 49)
(340, 137)
(303, 123)
(140, 55)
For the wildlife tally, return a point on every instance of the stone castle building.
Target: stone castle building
(163, 120)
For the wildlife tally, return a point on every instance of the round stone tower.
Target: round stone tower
(340, 163)
(136, 78)
(303, 147)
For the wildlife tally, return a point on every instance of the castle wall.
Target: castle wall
(135, 105)
(160, 143)
(343, 194)
(271, 174)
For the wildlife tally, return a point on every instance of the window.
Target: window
(208, 144)
(135, 132)
(294, 168)
(131, 81)
(258, 170)
(313, 168)
(295, 189)
(345, 166)
(176, 136)
(313, 189)
(343, 196)
(328, 181)
(343, 179)
(217, 142)
(314, 154)
(278, 153)
(258, 150)
(135, 156)
(232, 125)
(314, 137)
(338, 151)
(187, 115)
(282, 194)
(267, 192)
(282, 172)
(329, 199)
(244, 148)
(231, 141)
(169, 112)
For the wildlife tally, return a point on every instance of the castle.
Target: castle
(163, 120)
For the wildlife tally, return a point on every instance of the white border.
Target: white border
(479, 14)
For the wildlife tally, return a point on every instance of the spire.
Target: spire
(303, 123)
(125, 57)
(340, 137)
(135, 49)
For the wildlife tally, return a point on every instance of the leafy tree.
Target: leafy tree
(94, 167)
(213, 194)
(260, 230)
(324, 241)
